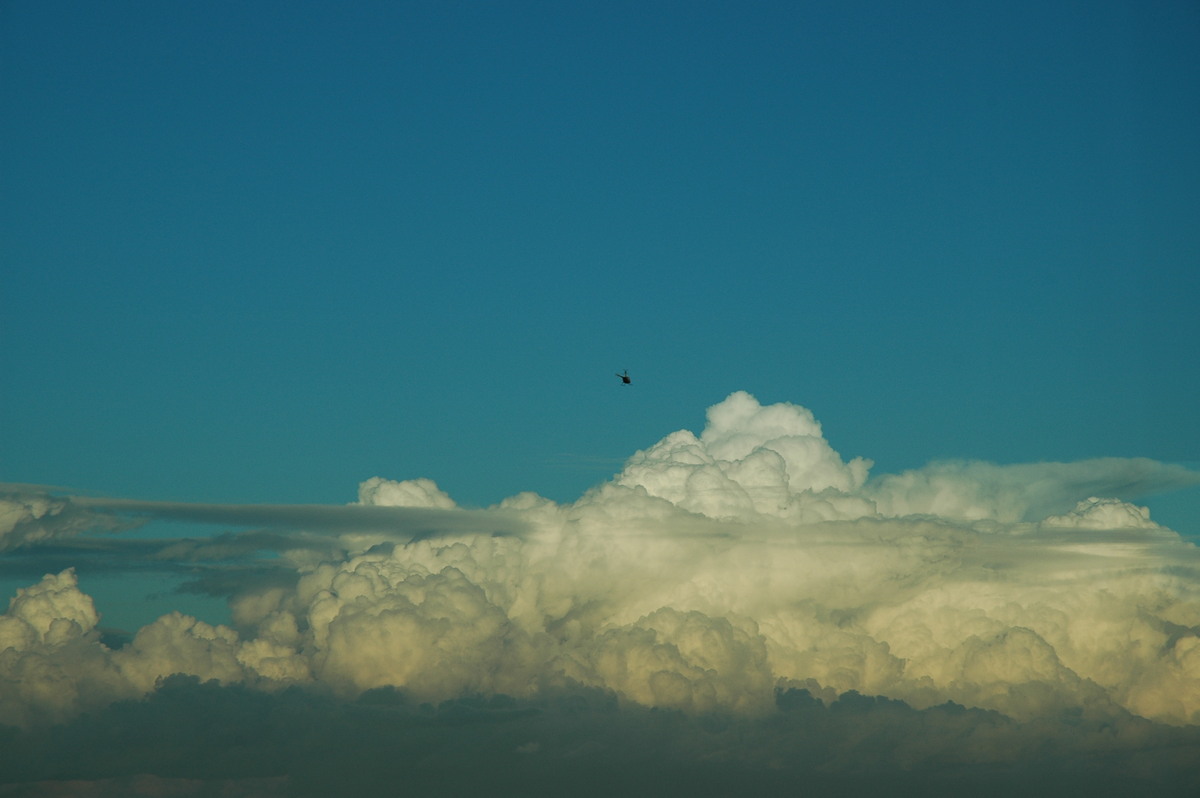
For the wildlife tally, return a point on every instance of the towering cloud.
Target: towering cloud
(712, 573)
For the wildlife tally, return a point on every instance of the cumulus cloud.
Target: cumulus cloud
(969, 491)
(28, 514)
(712, 574)
(751, 460)
(1094, 513)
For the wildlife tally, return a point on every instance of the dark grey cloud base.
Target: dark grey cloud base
(581, 742)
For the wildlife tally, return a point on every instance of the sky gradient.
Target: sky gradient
(257, 254)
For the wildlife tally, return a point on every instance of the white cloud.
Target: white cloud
(1094, 513)
(30, 515)
(422, 492)
(752, 459)
(50, 613)
(711, 571)
(970, 491)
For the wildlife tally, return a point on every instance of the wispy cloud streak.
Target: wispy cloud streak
(29, 515)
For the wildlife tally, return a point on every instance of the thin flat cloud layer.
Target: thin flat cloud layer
(713, 574)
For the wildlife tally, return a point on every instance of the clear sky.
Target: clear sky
(262, 251)
(258, 253)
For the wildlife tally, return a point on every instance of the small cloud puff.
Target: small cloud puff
(1094, 513)
(31, 516)
(422, 492)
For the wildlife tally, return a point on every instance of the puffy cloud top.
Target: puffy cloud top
(422, 492)
(774, 461)
(1093, 513)
(49, 614)
(751, 459)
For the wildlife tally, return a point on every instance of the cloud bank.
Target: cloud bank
(712, 575)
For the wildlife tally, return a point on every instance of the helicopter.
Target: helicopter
(625, 378)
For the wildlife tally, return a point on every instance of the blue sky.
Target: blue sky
(257, 253)
(263, 252)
